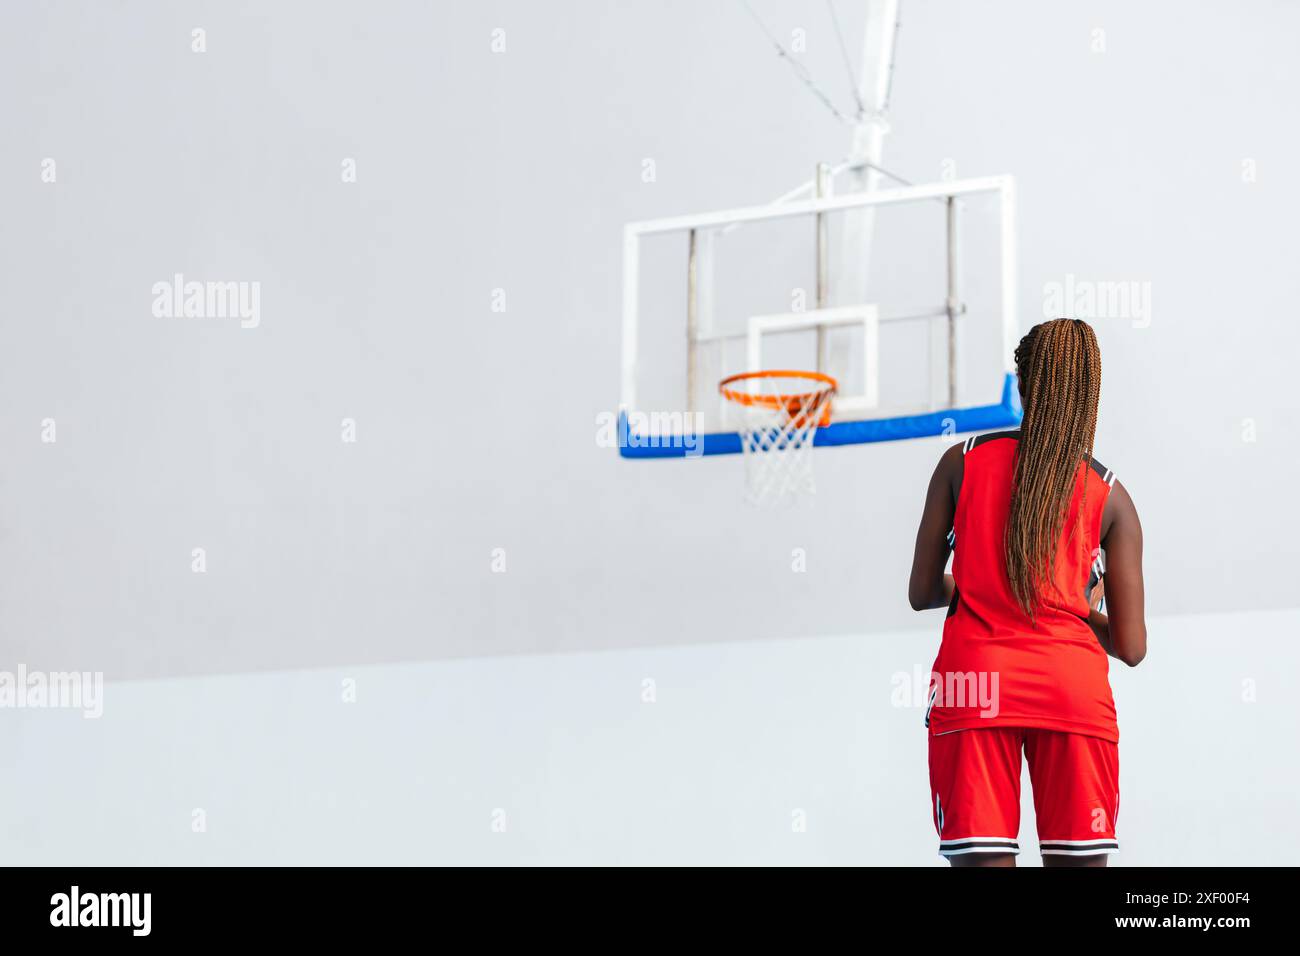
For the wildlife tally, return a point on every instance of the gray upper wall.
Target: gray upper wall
(476, 428)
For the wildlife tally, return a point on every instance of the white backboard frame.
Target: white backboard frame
(704, 229)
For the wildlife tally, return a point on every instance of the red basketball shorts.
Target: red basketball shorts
(975, 790)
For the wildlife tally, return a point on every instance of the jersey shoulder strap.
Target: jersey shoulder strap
(1104, 473)
(976, 440)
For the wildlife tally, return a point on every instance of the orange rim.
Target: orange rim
(794, 403)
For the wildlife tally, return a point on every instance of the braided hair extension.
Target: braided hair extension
(1059, 365)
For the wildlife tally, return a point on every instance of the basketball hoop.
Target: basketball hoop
(777, 414)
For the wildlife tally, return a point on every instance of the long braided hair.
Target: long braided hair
(1059, 366)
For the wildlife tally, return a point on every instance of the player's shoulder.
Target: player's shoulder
(1002, 440)
(952, 463)
(1119, 511)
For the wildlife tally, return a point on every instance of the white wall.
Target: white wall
(739, 736)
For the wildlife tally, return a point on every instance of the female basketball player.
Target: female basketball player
(1027, 515)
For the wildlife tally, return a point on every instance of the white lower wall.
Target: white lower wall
(738, 738)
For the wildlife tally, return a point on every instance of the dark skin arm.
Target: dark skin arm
(1122, 631)
(928, 586)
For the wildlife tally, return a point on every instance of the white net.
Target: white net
(777, 416)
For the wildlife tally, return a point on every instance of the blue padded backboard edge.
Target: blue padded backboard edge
(948, 422)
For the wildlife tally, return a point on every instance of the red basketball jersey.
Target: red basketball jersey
(995, 667)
